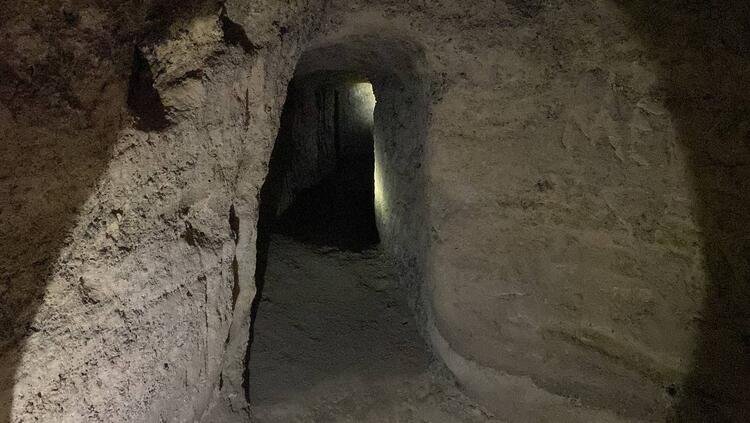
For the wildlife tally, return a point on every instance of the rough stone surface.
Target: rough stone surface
(564, 185)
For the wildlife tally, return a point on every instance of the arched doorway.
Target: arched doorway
(340, 237)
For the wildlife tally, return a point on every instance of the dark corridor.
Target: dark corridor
(319, 187)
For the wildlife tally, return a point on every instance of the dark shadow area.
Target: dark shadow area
(703, 48)
(266, 217)
(337, 212)
(234, 34)
(143, 99)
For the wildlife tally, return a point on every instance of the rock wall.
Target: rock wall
(305, 149)
(564, 184)
(128, 232)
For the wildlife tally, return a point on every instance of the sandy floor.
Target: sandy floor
(335, 342)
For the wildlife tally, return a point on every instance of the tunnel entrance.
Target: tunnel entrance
(321, 188)
(332, 333)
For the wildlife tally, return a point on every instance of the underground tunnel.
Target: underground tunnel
(328, 313)
(331, 319)
(369, 211)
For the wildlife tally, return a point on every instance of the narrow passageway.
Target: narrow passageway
(333, 336)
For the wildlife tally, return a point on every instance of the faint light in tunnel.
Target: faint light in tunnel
(379, 194)
(365, 96)
(363, 91)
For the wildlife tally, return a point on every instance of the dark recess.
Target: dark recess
(338, 212)
(143, 99)
(235, 35)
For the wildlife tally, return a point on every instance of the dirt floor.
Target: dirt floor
(336, 342)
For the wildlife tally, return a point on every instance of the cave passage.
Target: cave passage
(333, 335)
(338, 210)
